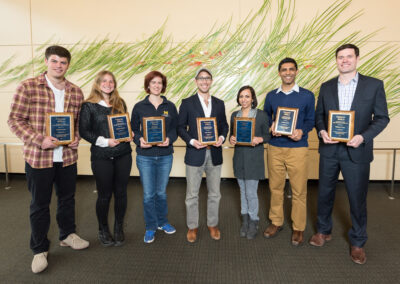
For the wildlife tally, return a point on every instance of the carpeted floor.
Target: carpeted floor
(171, 259)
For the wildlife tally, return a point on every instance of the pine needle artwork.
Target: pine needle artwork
(246, 54)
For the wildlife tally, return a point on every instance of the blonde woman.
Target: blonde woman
(111, 160)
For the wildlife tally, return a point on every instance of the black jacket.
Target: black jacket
(187, 129)
(92, 124)
(371, 115)
(145, 108)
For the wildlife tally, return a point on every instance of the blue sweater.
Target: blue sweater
(304, 100)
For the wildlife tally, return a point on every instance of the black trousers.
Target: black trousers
(112, 176)
(356, 177)
(40, 185)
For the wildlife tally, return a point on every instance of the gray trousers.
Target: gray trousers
(193, 181)
(249, 197)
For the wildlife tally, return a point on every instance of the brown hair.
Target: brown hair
(150, 76)
(117, 103)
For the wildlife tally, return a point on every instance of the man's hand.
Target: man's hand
(112, 142)
(49, 143)
(355, 141)
(326, 138)
(297, 134)
(232, 140)
(143, 143)
(164, 144)
(75, 144)
(198, 145)
(219, 142)
(273, 130)
(256, 141)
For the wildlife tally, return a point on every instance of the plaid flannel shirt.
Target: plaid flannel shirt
(27, 119)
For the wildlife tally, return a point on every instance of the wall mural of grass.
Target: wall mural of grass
(247, 54)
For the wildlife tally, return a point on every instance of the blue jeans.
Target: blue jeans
(154, 175)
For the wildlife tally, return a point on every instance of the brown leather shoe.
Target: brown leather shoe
(272, 231)
(192, 235)
(215, 233)
(297, 238)
(319, 239)
(358, 255)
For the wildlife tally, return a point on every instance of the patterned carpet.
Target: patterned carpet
(171, 259)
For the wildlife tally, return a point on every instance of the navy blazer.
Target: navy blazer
(191, 109)
(371, 115)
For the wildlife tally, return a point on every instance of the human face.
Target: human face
(56, 66)
(203, 82)
(245, 99)
(346, 61)
(288, 73)
(107, 84)
(155, 86)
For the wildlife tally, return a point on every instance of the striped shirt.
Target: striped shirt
(27, 119)
(346, 93)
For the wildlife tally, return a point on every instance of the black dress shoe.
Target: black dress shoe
(119, 237)
(105, 238)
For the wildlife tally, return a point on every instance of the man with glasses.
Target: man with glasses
(200, 158)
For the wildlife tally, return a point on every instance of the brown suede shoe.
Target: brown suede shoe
(358, 255)
(297, 238)
(319, 239)
(215, 233)
(192, 235)
(272, 231)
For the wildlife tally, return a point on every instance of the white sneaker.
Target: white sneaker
(75, 242)
(39, 262)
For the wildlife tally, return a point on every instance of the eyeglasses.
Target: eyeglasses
(203, 79)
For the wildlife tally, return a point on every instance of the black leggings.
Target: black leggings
(112, 176)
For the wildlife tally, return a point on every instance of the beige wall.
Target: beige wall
(27, 24)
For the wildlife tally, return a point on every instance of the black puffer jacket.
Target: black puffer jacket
(92, 124)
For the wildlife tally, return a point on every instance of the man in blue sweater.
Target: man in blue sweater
(289, 153)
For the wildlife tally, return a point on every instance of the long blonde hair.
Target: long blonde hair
(117, 103)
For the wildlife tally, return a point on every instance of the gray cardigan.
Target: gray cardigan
(248, 161)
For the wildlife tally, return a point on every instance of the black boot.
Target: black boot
(119, 234)
(105, 237)
(253, 229)
(245, 225)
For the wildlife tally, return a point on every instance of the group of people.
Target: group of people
(48, 163)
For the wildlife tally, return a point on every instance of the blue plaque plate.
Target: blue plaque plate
(285, 121)
(244, 130)
(207, 130)
(341, 125)
(60, 125)
(154, 129)
(120, 126)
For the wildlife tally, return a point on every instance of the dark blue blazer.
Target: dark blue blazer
(191, 109)
(371, 115)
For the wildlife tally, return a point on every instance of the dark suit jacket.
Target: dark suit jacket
(371, 115)
(187, 129)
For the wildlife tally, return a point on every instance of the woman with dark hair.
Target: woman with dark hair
(111, 160)
(248, 161)
(155, 161)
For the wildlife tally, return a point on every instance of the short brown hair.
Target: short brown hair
(59, 51)
(348, 45)
(150, 76)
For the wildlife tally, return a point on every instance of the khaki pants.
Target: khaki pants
(294, 161)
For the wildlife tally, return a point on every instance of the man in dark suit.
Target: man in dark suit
(201, 158)
(366, 96)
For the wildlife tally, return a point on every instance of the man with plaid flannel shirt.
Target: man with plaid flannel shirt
(47, 163)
